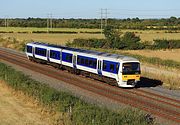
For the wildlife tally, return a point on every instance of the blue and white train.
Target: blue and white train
(119, 70)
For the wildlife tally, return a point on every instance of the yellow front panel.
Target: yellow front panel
(127, 77)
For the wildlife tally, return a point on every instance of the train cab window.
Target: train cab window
(111, 67)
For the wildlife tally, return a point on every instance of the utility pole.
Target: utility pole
(101, 19)
(106, 17)
(5, 22)
(104, 13)
(51, 23)
(48, 22)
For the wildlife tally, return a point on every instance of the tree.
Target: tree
(112, 37)
(132, 41)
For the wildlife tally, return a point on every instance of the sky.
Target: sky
(89, 8)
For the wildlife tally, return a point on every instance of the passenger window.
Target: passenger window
(117, 68)
(67, 57)
(78, 60)
(104, 66)
(90, 63)
(82, 61)
(51, 54)
(70, 58)
(29, 49)
(111, 67)
(86, 62)
(94, 64)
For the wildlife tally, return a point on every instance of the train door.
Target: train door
(74, 61)
(33, 51)
(99, 68)
(61, 57)
(48, 54)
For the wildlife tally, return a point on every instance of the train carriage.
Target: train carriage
(123, 71)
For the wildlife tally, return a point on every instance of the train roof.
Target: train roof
(103, 54)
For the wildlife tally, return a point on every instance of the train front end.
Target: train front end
(129, 74)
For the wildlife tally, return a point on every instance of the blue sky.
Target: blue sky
(89, 8)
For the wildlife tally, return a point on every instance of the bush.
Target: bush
(39, 31)
(95, 43)
(97, 32)
(166, 44)
(13, 43)
(112, 41)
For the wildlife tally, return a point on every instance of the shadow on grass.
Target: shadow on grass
(147, 82)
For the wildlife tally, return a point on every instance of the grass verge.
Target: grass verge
(77, 111)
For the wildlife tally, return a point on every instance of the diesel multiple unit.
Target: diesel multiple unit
(119, 70)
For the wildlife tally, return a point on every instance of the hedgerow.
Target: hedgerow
(63, 32)
(166, 44)
(80, 112)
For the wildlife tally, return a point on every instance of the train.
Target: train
(114, 69)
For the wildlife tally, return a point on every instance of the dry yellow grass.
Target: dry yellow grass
(30, 29)
(169, 81)
(15, 111)
(149, 35)
(145, 35)
(63, 38)
(51, 38)
(173, 54)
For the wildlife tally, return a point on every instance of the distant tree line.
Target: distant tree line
(117, 40)
(171, 23)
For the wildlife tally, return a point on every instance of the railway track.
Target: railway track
(162, 106)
